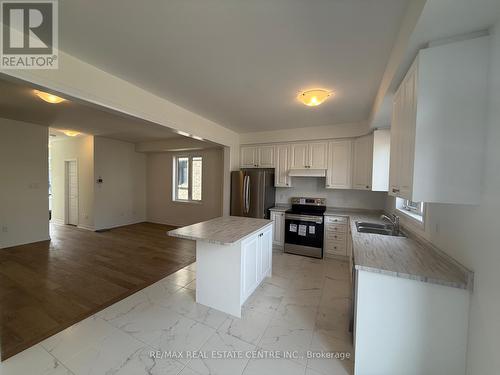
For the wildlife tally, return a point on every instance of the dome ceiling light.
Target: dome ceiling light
(313, 98)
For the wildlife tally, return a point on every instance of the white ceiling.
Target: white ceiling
(241, 63)
(18, 102)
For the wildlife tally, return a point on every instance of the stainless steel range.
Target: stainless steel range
(304, 227)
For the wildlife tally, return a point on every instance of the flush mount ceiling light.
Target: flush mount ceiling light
(71, 133)
(313, 98)
(49, 98)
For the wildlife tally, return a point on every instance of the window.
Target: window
(188, 178)
(410, 208)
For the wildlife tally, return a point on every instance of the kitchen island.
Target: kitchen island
(233, 256)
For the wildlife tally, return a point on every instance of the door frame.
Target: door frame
(66, 191)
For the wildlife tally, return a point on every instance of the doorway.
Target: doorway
(71, 192)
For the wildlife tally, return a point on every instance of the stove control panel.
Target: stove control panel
(309, 201)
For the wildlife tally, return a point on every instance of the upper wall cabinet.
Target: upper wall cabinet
(437, 130)
(362, 163)
(339, 172)
(309, 155)
(282, 165)
(257, 157)
(381, 156)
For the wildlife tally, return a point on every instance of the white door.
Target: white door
(249, 252)
(248, 157)
(300, 155)
(363, 163)
(278, 219)
(339, 172)
(71, 193)
(407, 135)
(266, 157)
(266, 246)
(282, 162)
(318, 155)
(395, 161)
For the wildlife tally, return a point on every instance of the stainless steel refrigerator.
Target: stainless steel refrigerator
(252, 192)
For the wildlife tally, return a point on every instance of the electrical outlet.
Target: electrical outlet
(5, 229)
(436, 228)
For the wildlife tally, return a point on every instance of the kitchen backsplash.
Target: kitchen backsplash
(315, 187)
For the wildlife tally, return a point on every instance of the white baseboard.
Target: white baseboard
(120, 225)
(164, 223)
(57, 221)
(85, 227)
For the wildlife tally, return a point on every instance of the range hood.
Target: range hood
(307, 172)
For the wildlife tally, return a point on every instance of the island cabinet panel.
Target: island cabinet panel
(250, 250)
(256, 261)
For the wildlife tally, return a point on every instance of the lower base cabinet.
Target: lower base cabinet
(256, 260)
(278, 218)
(411, 327)
(335, 242)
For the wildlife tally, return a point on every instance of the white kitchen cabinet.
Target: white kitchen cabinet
(362, 162)
(309, 155)
(299, 155)
(257, 157)
(278, 219)
(381, 157)
(339, 166)
(282, 166)
(256, 253)
(265, 156)
(437, 129)
(335, 236)
(318, 155)
(248, 157)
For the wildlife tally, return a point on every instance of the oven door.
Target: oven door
(304, 235)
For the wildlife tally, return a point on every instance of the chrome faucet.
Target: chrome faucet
(394, 220)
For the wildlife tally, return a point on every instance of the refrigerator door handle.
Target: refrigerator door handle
(244, 194)
(247, 195)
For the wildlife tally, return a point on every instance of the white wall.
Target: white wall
(470, 235)
(160, 206)
(24, 197)
(81, 149)
(306, 134)
(315, 187)
(121, 198)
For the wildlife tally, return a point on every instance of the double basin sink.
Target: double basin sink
(375, 228)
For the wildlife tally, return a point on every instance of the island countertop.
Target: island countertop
(224, 230)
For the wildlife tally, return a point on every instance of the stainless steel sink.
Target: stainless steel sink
(375, 228)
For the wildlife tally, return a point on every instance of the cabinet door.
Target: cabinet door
(299, 155)
(248, 157)
(278, 219)
(266, 157)
(318, 155)
(363, 156)
(407, 134)
(395, 163)
(249, 252)
(339, 172)
(282, 165)
(266, 251)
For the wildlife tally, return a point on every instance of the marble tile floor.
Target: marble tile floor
(304, 306)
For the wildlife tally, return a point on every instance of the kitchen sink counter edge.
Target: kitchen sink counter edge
(223, 230)
(407, 257)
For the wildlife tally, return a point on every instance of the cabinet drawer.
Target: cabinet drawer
(336, 228)
(335, 219)
(336, 248)
(334, 236)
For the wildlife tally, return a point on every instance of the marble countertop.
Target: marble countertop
(280, 207)
(406, 257)
(224, 230)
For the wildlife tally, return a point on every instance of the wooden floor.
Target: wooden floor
(50, 285)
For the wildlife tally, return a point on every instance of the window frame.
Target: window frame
(418, 216)
(175, 178)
